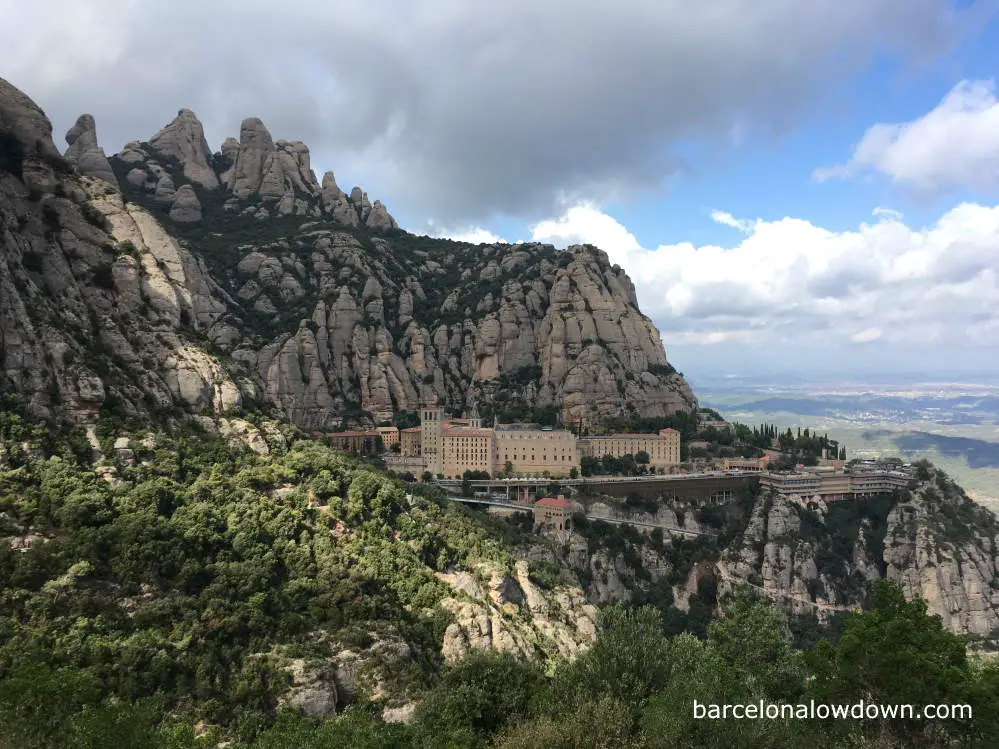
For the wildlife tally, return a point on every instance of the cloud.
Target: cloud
(955, 146)
(472, 235)
(466, 111)
(789, 281)
(726, 218)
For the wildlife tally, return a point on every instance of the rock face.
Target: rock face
(944, 548)
(322, 307)
(84, 152)
(818, 558)
(514, 615)
(185, 206)
(184, 140)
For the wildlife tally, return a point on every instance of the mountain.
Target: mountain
(174, 548)
(168, 278)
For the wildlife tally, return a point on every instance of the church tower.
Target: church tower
(432, 437)
(474, 420)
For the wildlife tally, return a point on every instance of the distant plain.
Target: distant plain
(953, 424)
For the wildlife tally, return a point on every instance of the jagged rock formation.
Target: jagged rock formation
(325, 318)
(819, 558)
(183, 139)
(512, 614)
(84, 152)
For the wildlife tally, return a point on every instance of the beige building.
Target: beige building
(467, 449)
(554, 513)
(352, 442)
(432, 438)
(389, 435)
(831, 485)
(535, 452)
(663, 449)
(410, 445)
(746, 464)
(450, 446)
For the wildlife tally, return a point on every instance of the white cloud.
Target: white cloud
(954, 146)
(472, 235)
(866, 336)
(789, 281)
(586, 224)
(726, 218)
(889, 213)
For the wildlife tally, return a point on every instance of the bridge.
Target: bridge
(615, 520)
(719, 485)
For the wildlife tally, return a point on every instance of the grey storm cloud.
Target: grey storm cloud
(460, 111)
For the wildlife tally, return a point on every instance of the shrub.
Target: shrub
(94, 217)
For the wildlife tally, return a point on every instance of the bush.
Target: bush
(94, 217)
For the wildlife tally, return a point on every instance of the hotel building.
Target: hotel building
(663, 449)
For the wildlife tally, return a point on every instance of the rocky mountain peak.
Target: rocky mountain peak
(85, 153)
(24, 121)
(184, 139)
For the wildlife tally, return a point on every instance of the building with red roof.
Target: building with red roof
(554, 513)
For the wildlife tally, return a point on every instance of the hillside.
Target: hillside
(168, 278)
(217, 574)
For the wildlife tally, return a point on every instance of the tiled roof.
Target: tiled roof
(467, 432)
(413, 429)
(554, 502)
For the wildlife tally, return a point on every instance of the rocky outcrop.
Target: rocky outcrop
(328, 319)
(97, 300)
(379, 218)
(85, 153)
(936, 542)
(953, 566)
(509, 613)
(184, 140)
(185, 206)
(25, 122)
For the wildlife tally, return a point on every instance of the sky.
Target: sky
(794, 187)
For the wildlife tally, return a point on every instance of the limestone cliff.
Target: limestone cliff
(819, 558)
(200, 280)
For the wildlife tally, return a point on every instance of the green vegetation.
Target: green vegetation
(94, 217)
(635, 687)
(190, 580)
(180, 595)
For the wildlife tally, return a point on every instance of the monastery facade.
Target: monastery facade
(449, 446)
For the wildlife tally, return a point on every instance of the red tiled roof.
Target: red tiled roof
(413, 429)
(554, 502)
(346, 434)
